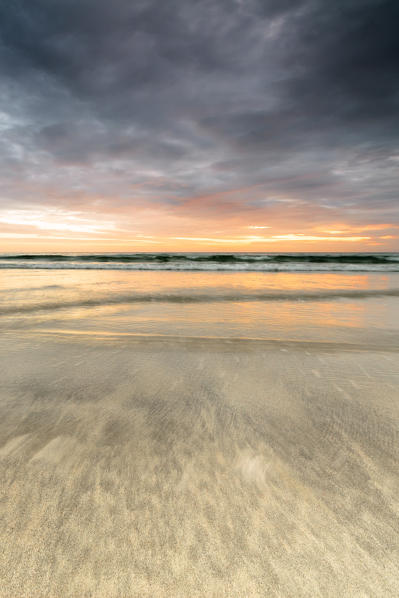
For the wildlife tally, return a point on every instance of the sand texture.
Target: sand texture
(152, 470)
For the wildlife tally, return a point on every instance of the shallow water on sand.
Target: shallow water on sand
(149, 447)
(338, 307)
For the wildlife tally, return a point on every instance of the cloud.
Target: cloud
(219, 109)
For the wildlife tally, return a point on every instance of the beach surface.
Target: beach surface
(183, 465)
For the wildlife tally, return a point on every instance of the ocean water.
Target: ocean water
(235, 262)
(341, 298)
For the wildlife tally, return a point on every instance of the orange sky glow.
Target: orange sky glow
(189, 227)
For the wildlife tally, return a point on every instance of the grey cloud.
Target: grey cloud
(206, 96)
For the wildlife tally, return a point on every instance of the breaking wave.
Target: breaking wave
(250, 262)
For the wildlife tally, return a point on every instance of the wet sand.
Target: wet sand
(198, 469)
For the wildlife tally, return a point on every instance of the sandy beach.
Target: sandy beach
(132, 467)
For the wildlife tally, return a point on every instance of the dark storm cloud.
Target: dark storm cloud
(301, 96)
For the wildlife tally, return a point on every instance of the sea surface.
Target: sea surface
(235, 262)
(351, 298)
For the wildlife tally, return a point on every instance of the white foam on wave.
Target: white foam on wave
(207, 266)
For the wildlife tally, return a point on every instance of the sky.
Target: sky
(199, 125)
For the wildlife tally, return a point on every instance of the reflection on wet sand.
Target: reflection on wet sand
(222, 469)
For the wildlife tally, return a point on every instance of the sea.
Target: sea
(222, 262)
(310, 297)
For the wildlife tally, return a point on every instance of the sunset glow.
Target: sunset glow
(49, 229)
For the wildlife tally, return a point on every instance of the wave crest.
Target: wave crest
(250, 262)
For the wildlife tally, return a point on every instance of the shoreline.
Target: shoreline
(203, 342)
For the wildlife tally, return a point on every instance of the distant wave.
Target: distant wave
(260, 262)
(198, 298)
